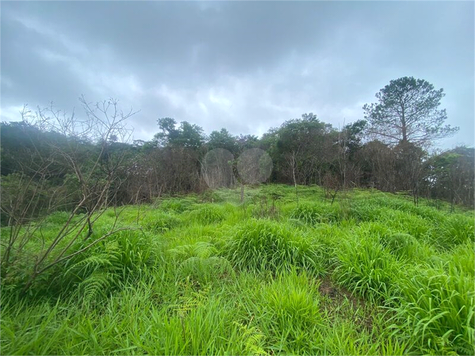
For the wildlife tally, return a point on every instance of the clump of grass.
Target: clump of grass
(366, 268)
(462, 257)
(93, 275)
(131, 322)
(207, 214)
(205, 270)
(177, 205)
(456, 230)
(438, 307)
(209, 325)
(297, 224)
(316, 213)
(375, 230)
(59, 217)
(33, 328)
(364, 211)
(290, 306)
(262, 244)
(402, 245)
(201, 249)
(160, 222)
(401, 221)
(427, 213)
(209, 196)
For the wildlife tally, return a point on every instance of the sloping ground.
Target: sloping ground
(369, 274)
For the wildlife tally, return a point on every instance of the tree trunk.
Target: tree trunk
(90, 231)
(294, 177)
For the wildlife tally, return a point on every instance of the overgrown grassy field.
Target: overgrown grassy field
(369, 274)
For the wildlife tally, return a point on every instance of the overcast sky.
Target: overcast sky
(245, 66)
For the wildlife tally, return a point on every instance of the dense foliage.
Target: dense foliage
(303, 151)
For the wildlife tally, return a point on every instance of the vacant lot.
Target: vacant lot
(369, 274)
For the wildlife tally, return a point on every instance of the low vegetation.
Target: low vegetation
(368, 273)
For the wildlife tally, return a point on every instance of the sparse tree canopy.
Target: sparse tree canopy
(408, 111)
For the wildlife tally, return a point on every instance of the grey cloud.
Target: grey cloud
(247, 66)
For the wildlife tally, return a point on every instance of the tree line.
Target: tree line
(54, 161)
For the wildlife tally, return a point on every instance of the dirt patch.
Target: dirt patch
(333, 303)
(337, 293)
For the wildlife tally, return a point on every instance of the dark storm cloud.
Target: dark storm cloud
(245, 66)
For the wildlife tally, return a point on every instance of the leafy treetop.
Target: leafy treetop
(408, 111)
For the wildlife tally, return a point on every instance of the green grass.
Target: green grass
(370, 274)
(258, 245)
